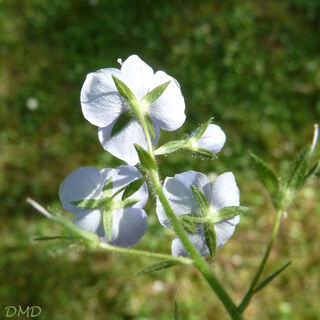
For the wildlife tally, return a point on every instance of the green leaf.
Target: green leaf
(149, 125)
(198, 134)
(176, 312)
(122, 121)
(132, 188)
(108, 223)
(89, 203)
(170, 147)
(53, 238)
(108, 188)
(188, 224)
(154, 94)
(204, 153)
(312, 172)
(298, 170)
(158, 266)
(211, 238)
(145, 158)
(125, 91)
(266, 175)
(228, 213)
(201, 200)
(270, 277)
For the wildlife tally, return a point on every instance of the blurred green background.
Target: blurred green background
(253, 65)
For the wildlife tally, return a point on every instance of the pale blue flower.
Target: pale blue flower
(222, 193)
(102, 105)
(129, 224)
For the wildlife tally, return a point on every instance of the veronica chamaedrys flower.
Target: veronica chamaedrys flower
(129, 224)
(222, 193)
(102, 105)
(213, 139)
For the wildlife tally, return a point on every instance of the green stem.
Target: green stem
(199, 261)
(146, 254)
(246, 300)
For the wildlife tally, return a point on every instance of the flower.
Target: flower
(213, 139)
(102, 105)
(129, 224)
(223, 193)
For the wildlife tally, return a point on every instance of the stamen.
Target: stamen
(315, 137)
(120, 61)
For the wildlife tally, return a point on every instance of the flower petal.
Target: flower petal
(100, 101)
(121, 144)
(180, 196)
(224, 230)
(213, 138)
(168, 110)
(225, 193)
(138, 75)
(197, 239)
(90, 222)
(122, 176)
(83, 183)
(129, 226)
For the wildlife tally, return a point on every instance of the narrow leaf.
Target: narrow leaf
(204, 153)
(201, 200)
(270, 277)
(89, 203)
(228, 213)
(121, 122)
(53, 238)
(176, 312)
(132, 187)
(312, 172)
(149, 125)
(107, 188)
(266, 175)
(170, 147)
(158, 266)
(155, 93)
(211, 238)
(145, 158)
(125, 91)
(199, 133)
(108, 223)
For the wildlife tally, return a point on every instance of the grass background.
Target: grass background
(253, 65)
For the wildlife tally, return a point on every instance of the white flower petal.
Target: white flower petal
(225, 191)
(197, 240)
(138, 75)
(122, 176)
(168, 110)
(180, 196)
(224, 231)
(129, 226)
(83, 183)
(100, 101)
(91, 222)
(121, 144)
(213, 138)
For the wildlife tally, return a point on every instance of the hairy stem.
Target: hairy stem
(246, 300)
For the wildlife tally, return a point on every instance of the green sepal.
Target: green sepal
(90, 203)
(154, 94)
(121, 122)
(270, 277)
(201, 200)
(149, 125)
(188, 224)
(145, 158)
(266, 175)
(204, 153)
(297, 171)
(228, 213)
(132, 188)
(210, 237)
(199, 133)
(170, 147)
(158, 267)
(125, 92)
(107, 218)
(128, 203)
(312, 172)
(108, 188)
